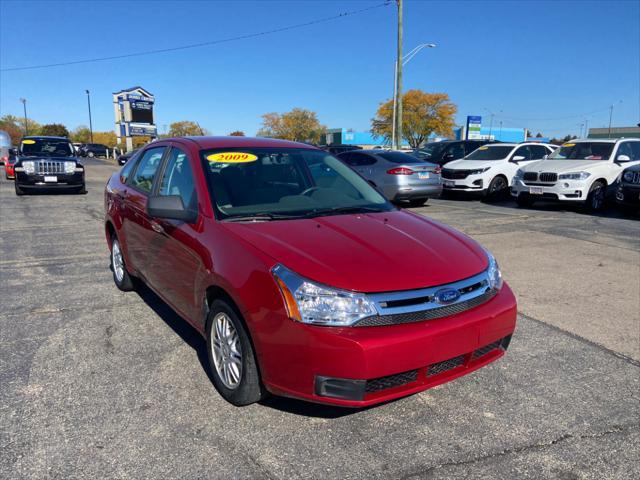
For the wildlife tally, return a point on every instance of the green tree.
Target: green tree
(423, 114)
(81, 134)
(237, 133)
(186, 128)
(298, 125)
(13, 124)
(54, 130)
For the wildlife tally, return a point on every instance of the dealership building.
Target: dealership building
(615, 132)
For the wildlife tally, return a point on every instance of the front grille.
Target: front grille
(530, 176)
(390, 381)
(45, 167)
(454, 174)
(482, 351)
(441, 367)
(548, 177)
(419, 316)
(635, 178)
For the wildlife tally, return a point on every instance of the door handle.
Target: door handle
(156, 227)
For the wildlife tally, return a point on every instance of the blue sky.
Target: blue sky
(543, 64)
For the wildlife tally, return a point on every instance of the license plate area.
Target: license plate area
(50, 179)
(535, 190)
(423, 175)
(449, 183)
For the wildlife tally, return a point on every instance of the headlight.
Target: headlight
(29, 167)
(519, 174)
(69, 167)
(309, 302)
(628, 176)
(495, 276)
(574, 176)
(478, 171)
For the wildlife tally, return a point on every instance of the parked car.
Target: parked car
(125, 157)
(339, 148)
(5, 145)
(580, 171)
(628, 192)
(489, 169)
(9, 164)
(399, 176)
(94, 150)
(447, 150)
(77, 147)
(46, 163)
(303, 279)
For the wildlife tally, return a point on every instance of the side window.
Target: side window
(178, 179)
(147, 167)
(347, 158)
(539, 151)
(635, 148)
(625, 149)
(456, 150)
(471, 146)
(361, 160)
(126, 170)
(523, 152)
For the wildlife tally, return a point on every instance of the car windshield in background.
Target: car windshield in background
(429, 150)
(264, 184)
(583, 151)
(490, 153)
(46, 147)
(399, 157)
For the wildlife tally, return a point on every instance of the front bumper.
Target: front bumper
(628, 194)
(562, 190)
(472, 183)
(371, 365)
(63, 180)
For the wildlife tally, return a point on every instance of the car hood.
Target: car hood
(564, 166)
(377, 252)
(463, 164)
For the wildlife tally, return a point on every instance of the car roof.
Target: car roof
(600, 140)
(47, 137)
(233, 142)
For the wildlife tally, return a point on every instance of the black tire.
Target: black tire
(596, 197)
(123, 281)
(19, 191)
(524, 200)
(91, 154)
(249, 388)
(417, 202)
(498, 187)
(82, 190)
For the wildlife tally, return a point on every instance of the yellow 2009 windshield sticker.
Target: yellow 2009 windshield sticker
(232, 157)
(483, 148)
(28, 142)
(569, 145)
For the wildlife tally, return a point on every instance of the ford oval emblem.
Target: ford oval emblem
(447, 295)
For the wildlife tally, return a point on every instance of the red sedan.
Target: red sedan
(303, 279)
(9, 165)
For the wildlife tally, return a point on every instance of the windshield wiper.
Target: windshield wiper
(317, 212)
(259, 217)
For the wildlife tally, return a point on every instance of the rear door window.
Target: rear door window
(148, 165)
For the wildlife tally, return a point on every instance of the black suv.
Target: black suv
(47, 163)
(93, 150)
(628, 192)
(339, 148)
(447, 150)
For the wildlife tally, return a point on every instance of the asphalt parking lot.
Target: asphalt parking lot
(99, 383)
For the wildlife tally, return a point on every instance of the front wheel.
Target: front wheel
(19, 191)
(596, 197)
(524, 200)
(121, 277)
(82, 190)
(231, 356)
(497, 188)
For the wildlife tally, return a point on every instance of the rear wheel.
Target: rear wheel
(596, 197)
(524, 200)
(90, 154)
(121, 277)
(231, 356)
(497, 188)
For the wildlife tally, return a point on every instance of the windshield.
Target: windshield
(49, 147)
(430, 150)
(399, 157)
(490, 153)
(272, 183)
(583, 151)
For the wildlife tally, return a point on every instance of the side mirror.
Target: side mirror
(623, 158)
(170, 207)
(13, 151)
(545, 157)
(517, 158)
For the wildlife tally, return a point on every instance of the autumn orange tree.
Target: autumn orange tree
(422, 114)
(299, 125)
(237, 133)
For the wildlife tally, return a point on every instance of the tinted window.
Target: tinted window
(487, 152)
(539, 151)
(625, 149)
(178, 179)
(523, 152)
(583, 151)
(635, 148)
(399, 157)
(147, 168)
(430, 150)
(126, 170)
(361, 159)
(456, 150)
(46, 147)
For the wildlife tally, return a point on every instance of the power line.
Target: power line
(201, 44)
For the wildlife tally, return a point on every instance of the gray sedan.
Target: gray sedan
(401, 177)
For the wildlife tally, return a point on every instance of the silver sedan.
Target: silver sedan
(399, 176)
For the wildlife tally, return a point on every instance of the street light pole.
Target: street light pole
(398, 90)
(24, 106)
(90, 123)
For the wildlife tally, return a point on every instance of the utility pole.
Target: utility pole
(491, 126)
(610, 117)
(90, 123)
(500, 134)
(24, 106)
(586, 128)
(398, 95)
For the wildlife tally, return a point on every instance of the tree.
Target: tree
(54, 130)
(81, 134)
(298, 125)
(538, 135)
(11, 123)
(105, 138)
(237, 133)
(186, 128)
(422, 114)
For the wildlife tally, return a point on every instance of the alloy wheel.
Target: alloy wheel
(227, 352)
(117, 262)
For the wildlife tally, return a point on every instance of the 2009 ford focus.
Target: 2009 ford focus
(304, 280)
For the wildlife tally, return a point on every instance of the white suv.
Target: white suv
(490, 169)
(579, 171)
